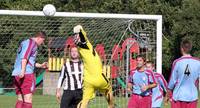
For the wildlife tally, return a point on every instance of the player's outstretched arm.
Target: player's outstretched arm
(80, 37)
(43, 65)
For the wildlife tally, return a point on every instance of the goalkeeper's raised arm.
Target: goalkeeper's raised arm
(91, 59)
(80, 37)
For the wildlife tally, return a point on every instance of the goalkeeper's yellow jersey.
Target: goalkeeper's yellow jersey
(91, 60)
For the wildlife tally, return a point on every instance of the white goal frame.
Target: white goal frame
(157, 18)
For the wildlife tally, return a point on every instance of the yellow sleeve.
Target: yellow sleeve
(84, 40)
(83, 35)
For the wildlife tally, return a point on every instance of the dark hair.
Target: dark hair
(41, 34)
(186, 45)
(149, 62)
(141, 56)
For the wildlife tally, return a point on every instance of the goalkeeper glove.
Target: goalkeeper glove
(77, 30)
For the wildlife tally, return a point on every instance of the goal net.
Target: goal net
(118, 39)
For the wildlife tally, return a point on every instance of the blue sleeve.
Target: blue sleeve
(199, 71)
(130, 78)
(173, 76)
(151, 77)
(25, 49)
(163, 83)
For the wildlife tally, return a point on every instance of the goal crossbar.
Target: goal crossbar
(157, 18)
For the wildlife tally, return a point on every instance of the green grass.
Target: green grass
(40, 101)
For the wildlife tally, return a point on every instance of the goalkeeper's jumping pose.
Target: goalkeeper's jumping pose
(93, 77)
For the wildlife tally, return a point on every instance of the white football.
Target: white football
(49, 10)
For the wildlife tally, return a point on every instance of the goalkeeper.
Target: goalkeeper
(93, 78)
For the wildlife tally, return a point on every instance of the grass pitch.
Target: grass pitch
(44, 101)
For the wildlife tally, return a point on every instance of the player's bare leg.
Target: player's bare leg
(19, 102)
(28, 98)
(109, 98)
(83, 104)
(19, 97)
(24, 101)
(27, 101)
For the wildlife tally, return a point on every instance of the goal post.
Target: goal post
(117, 38)
(157, 18)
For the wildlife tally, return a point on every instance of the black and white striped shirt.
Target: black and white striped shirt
(72, 73)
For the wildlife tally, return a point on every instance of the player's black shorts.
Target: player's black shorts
(71, 98)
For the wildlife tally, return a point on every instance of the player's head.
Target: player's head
(40, 37)
(186, 46)
(149, 65)
(74, 54)
(140, 61)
